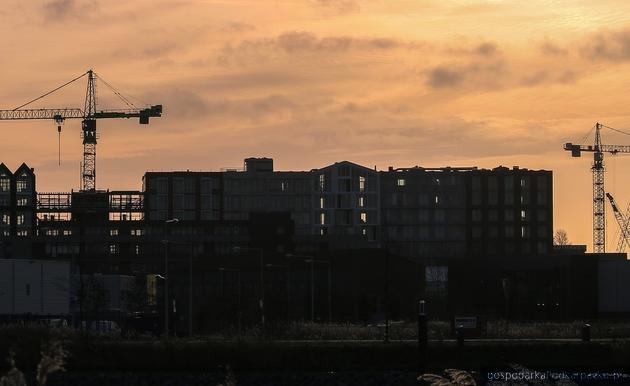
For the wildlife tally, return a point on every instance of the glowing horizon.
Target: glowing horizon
(310, 82)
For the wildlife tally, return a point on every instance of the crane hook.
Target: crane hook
(59, 120)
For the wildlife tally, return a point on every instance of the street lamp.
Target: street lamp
(165, 241)
(262, 279)
(288, 285)
(309, 259)
(223, 270)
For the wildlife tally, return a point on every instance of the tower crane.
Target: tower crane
(624, 236)
(89, 115)
(599, 210)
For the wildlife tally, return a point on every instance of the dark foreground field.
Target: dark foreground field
(113, 361)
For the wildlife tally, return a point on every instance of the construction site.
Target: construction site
(197, 252)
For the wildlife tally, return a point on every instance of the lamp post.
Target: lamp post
(238, 271)
(288, 283)
(312, 261)
(262, 279)
(166, 307)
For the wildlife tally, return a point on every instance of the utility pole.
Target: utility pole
(166, 305)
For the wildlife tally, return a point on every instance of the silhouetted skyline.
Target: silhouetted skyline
(311, 82)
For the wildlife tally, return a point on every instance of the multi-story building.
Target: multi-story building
(466, 212)
(420, 213)
(17, 201)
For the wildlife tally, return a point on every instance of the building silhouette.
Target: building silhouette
(361, 224)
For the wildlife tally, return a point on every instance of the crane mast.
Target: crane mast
(599, 194)
(599, 209)
(88, 166)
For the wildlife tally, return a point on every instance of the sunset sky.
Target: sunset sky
(310, 82)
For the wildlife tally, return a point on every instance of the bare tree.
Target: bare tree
(561, 238)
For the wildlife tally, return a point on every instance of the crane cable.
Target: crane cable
(50, 92)
(117, 93)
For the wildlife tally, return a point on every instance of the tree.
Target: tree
(561, 238)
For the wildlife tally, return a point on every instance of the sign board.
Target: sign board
(467, 322)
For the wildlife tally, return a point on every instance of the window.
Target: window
(524, 231)
(322, 182)
(401, 182)
(22, 185)
(476, 215)
(361, 184)
(5, 184)
(28, 290)
(22, 201)
(361, 202)
(437, 181)
(323, 231)
(113, 249)
(67, 232)
(22, 233)
(20, 219)
(137, 232)
(113, 232)
(493, 215)
(322, 218)
(363, 217)
(284, 186)
(524, 182)
(321, 202)
(437, 199)
(137, 250)
(509, 215)
(524, 215)
(508, 199)
(509, 231)
(6, 219)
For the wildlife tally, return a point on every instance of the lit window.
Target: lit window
(113, 232)
(137, 232)
(22, 201)
(523, 215)
(437, 199)
(22, 185)
(321, 202)
(22, 232)
(361, 184)
(363, 217)
(364, 231)
(401, 182)
(524, 231)
(361, 202)
(284, 186)
(322, 182)
(323, 231)
(67, 232)
(113, 249)
(5, 184)
(322, 218)
(6, 219)
(20, 219)
(137, 249)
